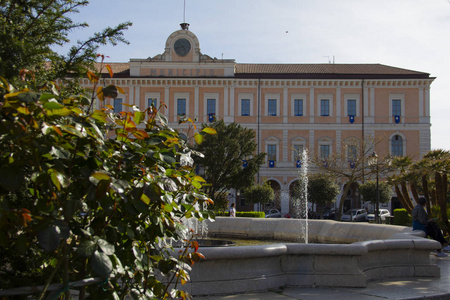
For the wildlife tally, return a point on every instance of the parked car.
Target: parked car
(354, 215)
(382, 214)
(330, 214)
(272, 213)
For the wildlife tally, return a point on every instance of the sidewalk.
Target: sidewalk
(396, 289)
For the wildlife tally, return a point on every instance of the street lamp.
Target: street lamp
(373, 162)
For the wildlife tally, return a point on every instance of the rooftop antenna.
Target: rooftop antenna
(184, 12)
(184, 25)
(329, 58)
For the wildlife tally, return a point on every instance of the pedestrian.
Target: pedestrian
(421, 222)
(233, 210)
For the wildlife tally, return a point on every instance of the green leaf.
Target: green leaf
(54, 177)
(86, 248)
(118, 265)
(46, 97)
(106, 247)
(72, 130)
(137, 253)
(199, 138)
(49, 238)
(53, 105)
(145, 199)
(96, 177)
(29, 97)
(139, 117)
(162, 119)
(59, 112)
(59, 179)
(110, 91)
(101, 264)
(209, 130)
(100, 116)
(168, 208)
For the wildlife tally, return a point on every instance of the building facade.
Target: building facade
(291, 107)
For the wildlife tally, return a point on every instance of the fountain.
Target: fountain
(339, 254)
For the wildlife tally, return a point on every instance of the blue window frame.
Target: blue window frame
(152, 102)
(324, 151)
(117, 105)
(397, 146)
(351, 107)
(298, 107)
(272, 107)
(245, 107)
(396, 107)
(211, 106)
(325, 107)
(181, 107)
(272, 152)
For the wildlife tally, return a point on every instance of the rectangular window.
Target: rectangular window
(117, 105)
(272, 152)
(245, 107)
(181, 107)
(272, 107)
(351, 107)
(211, 106)
(396, 107)
(351, 155)
(152, 102)
(298, 107)
(324, 151)
(298, 152)
(324, 107)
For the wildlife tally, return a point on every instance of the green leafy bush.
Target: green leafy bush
(401, 217)
(94, 194)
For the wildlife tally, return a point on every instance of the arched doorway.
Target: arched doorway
(352, 200)
(276, 203)
(298, 207)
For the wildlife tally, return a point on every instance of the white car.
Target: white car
(382, 214)
(354, 215)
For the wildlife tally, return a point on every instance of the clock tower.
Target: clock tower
(182, 58)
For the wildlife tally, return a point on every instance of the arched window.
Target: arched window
(397, 145)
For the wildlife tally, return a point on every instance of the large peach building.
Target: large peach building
(290, 106)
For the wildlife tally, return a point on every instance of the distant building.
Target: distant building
(291, 107)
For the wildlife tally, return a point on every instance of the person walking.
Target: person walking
(233, 211)
(421, 222)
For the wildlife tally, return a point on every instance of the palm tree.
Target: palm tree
(399, 180)
(439, 166)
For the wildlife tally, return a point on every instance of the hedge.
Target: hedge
(244, 214)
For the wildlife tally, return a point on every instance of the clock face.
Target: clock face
(182, 47)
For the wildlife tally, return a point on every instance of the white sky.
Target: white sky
(410, 34)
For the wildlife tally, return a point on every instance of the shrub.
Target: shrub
(244, 214)
(75, 204)
(401, 217)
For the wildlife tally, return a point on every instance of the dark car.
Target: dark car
(330, 214)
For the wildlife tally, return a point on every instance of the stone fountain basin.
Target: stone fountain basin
(349, 255)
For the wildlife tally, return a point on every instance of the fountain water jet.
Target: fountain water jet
(300, 197)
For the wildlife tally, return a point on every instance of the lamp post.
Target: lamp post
(373, 162)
